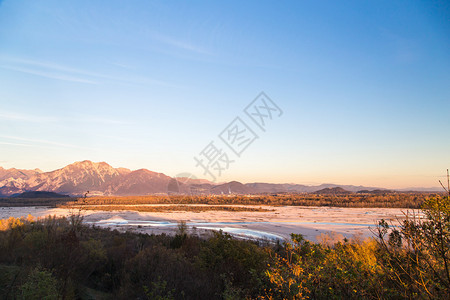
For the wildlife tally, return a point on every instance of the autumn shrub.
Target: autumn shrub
(306, 270)
(363, 200)
(408, 260)
(416, 252)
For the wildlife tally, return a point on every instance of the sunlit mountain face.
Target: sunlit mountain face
(103, 179)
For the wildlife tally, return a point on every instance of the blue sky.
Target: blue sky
(364, 86)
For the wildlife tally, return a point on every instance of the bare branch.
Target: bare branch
(445, 189)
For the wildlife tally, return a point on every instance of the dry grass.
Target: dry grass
(393, 200)
(167, 208)
(387, 200)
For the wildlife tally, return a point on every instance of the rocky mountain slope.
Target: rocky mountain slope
(102, 179)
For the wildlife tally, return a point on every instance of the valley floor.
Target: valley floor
(277, 222)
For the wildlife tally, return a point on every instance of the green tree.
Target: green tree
(40, 285)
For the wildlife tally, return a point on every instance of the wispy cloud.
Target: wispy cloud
(6, 115)
(14, 116)
(123, 65)
(180, 44)
(36, 142)
(51, 75)
(101, 120)
(16, 144)
(118, 138)
(65, 73)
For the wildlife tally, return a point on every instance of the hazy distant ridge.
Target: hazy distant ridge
(103, 179)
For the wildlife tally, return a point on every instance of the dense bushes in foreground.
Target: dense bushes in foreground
(85, 262)
(56, 258)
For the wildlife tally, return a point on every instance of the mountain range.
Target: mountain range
(102, 179)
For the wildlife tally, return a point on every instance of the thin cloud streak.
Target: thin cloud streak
(12, 116)
(49, 75)
(43, 142)
(56, 71)
(27, 118)
(179, 44)
(103, 121)
(29, 145)
(17, 144)
(49, 65)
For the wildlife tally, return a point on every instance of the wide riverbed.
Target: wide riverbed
(276, 224)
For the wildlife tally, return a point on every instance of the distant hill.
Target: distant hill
(6, 191)
(271, 188)
(139, 182)
(99, 178)
(422, 189)
(334, 191)
(39, 194)
(17, 173)
(232, 187)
